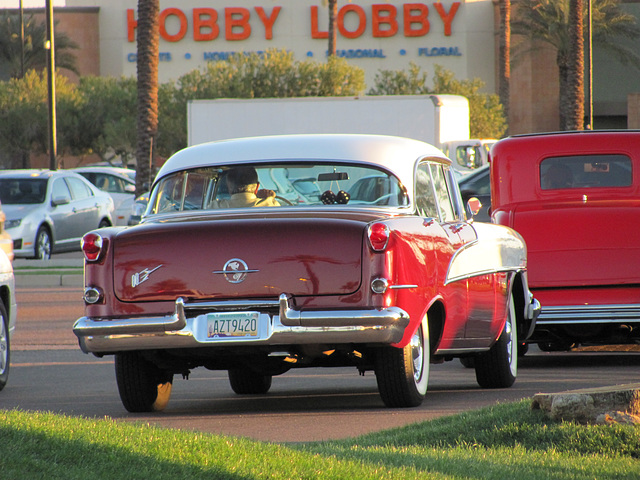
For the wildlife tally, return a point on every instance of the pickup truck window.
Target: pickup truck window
(590, 171)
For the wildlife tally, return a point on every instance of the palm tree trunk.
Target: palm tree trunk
(504, 74)
(575, 71)
(147, 67)
(333, 35)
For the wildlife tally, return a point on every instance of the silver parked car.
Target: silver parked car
(49, 211)
(118, 182)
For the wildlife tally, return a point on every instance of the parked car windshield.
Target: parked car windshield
(270, 185)
(590, 171)
(22, 191)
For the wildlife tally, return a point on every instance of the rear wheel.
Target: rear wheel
(43, 244)
(143, 387)
(403, 373)
(498, 367)
(5, 347)
(245, 381)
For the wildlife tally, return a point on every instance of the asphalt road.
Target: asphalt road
(50, 373)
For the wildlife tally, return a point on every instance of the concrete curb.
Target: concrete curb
(34, 273)
(49, 280)
(614, 404)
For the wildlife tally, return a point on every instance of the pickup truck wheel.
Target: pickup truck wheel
(143, 387)
(5, 347)
(498, 367)
(245, 381)
(402, 374)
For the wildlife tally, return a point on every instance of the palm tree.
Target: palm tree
(504, 58)
(333, 31)
(548, 21)
(148, 38)
(35, 54)
(573, 116)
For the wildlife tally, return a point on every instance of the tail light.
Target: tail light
(92, 245)
(378, 234)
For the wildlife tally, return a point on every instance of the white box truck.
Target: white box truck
(435, 119)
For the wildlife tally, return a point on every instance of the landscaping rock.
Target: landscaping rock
(615, 404)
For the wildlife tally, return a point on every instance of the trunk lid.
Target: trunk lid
(239, 258)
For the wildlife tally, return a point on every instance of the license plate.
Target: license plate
(232, 325)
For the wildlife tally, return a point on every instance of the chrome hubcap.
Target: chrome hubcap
(417, 352)
(44, 246)
(4, 348)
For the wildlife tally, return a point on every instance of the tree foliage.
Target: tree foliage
(486, 117)
(35, 54)
(24, 115)
(273, 74)
(548, 21)
(98, 116)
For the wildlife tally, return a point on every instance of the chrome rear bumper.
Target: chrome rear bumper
(287, 327)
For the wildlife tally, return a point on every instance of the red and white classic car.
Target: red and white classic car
(575, 198)
(234, 269)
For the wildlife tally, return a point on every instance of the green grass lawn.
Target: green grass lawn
(503, 442)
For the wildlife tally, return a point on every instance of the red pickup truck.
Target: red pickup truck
(575, 199)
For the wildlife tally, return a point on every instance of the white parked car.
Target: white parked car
(118, 182)
(8, 311)
(49, 211)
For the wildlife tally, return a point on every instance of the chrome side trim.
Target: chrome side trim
(289, 326)
(576, 314)
(492, 252)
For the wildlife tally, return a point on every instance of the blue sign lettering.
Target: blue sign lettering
(439, 52)
(361, 53)
(162, 56)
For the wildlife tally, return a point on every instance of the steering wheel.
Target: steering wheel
(279, 198)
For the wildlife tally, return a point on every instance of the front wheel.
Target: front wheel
(43, 244)
(403, 373)
(244, 381)
(143, 387)
(5, 347)
(498, 367)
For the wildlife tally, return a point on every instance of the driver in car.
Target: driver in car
(245, 191)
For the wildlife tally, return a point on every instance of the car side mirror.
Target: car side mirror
(473, 206)
(64, 200)
(130, 188)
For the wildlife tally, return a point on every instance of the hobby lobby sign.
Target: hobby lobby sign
(240, 23)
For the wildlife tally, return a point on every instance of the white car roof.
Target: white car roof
(399, 155)
(37, 173)
(125, 173)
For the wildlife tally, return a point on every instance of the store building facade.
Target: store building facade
(374, 35)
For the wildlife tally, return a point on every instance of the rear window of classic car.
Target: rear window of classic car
(585, 171)
(273, 184)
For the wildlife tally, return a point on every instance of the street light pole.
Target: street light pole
(21, 41)
(51, 82)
